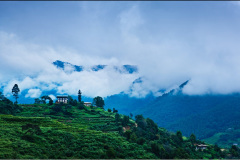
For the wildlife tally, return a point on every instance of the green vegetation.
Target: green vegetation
(7, 106)
(66, 131)
(40, 132)
(225, 139)
(15, 91)
(43, 100)
(205, 115)
(98, 101)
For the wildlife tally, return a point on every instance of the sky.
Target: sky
(170, 42)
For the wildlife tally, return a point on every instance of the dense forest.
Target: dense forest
(209, 117)
(73, 131)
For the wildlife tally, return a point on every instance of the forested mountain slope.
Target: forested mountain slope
(65, 131)
(203, 115)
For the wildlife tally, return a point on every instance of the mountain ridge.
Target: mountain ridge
(129, 69)
(203, 115)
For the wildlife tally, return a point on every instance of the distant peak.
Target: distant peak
(177, 90)
(124, 69)
(183, 84)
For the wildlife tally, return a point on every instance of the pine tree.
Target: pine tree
(15, 91)
(79, 96)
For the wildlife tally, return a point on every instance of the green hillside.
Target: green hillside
(63, 136)
(43, 131)
(225, 139)
(205, 115)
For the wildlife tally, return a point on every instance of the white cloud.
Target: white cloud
(68, 68)
(130, 20)
(53, 97)
(103, 83)
(169, 47)
(23, 84)
(33, 93)
(235, 2)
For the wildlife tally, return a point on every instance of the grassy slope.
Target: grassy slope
(86, 133)
(84, 142)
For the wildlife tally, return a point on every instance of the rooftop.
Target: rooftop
(202, 145)
(62, 96)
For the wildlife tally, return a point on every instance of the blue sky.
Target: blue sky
(69, 23)
(169, 41)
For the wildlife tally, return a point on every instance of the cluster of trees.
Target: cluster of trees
(15, 91)
(72, 101)
(7, 106)
(43, 100)
(65, 109)
(235, 151)
(123, 121)
(61, 109)
(97, 101)
(114, 110)
(145, 128)
(162, 143)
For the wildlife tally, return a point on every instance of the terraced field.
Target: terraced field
(87, 133)
(63, 131)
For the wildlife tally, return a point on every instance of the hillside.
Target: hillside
(225, 138)
(201, 115)
(63, 137)
(75, 132)
(204, 115)
(126, 104)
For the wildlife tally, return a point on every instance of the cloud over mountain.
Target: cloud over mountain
(168, 43)
(22, 62)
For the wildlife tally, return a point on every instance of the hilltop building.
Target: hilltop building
(87, 103)
(201, 146)
(62, 99)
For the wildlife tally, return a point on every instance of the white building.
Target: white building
(87, 103)
(62, 99)
(201, 146)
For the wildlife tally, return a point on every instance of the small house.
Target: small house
(62, 99)
(127, 128)
(201, 147)
(87, 103)
(222, 150)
